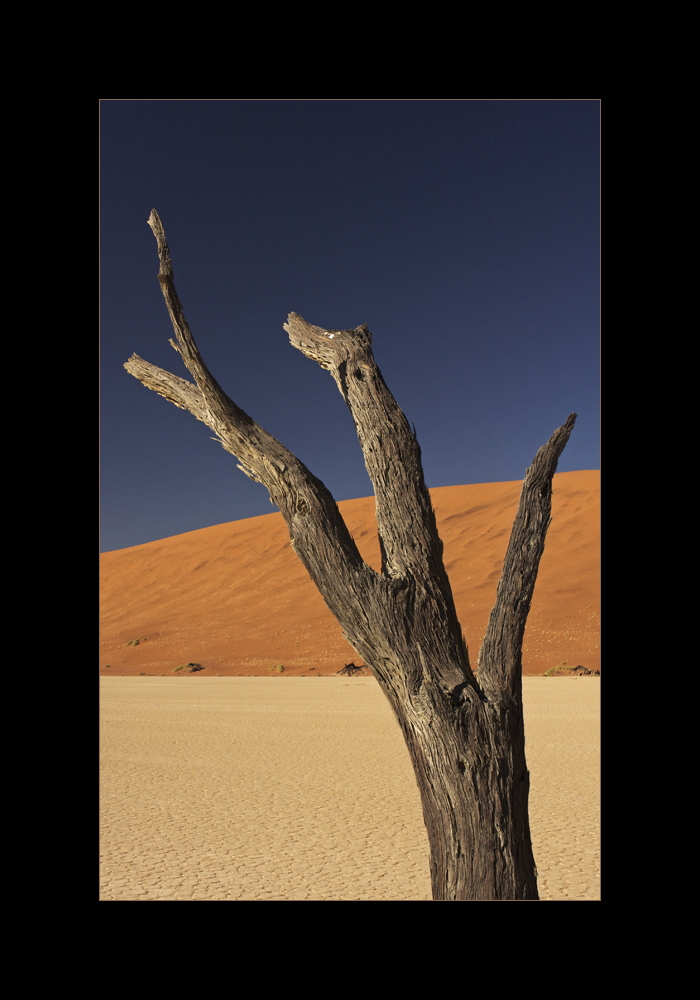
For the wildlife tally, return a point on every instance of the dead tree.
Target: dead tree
(463, 728)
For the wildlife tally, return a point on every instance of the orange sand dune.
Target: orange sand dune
(236, 599)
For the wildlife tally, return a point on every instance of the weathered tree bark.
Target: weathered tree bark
(464, 730)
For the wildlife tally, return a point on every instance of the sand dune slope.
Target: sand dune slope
(236, 599)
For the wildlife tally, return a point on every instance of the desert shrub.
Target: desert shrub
(192, 668)
(350, 670)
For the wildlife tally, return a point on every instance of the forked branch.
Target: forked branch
(317, 530)
(171, 387)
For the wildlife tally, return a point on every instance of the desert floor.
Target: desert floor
(291, 788)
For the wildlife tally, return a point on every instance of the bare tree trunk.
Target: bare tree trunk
(464, 731)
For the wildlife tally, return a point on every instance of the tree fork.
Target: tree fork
(464, 730)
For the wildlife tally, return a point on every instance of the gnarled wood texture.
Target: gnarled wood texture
(464, 730)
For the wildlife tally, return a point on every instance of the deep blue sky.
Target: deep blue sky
(464, 233)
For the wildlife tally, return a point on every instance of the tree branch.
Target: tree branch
(318, 533)
(405, 518)
(171, 387)
(500, 658)
(408, 535)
